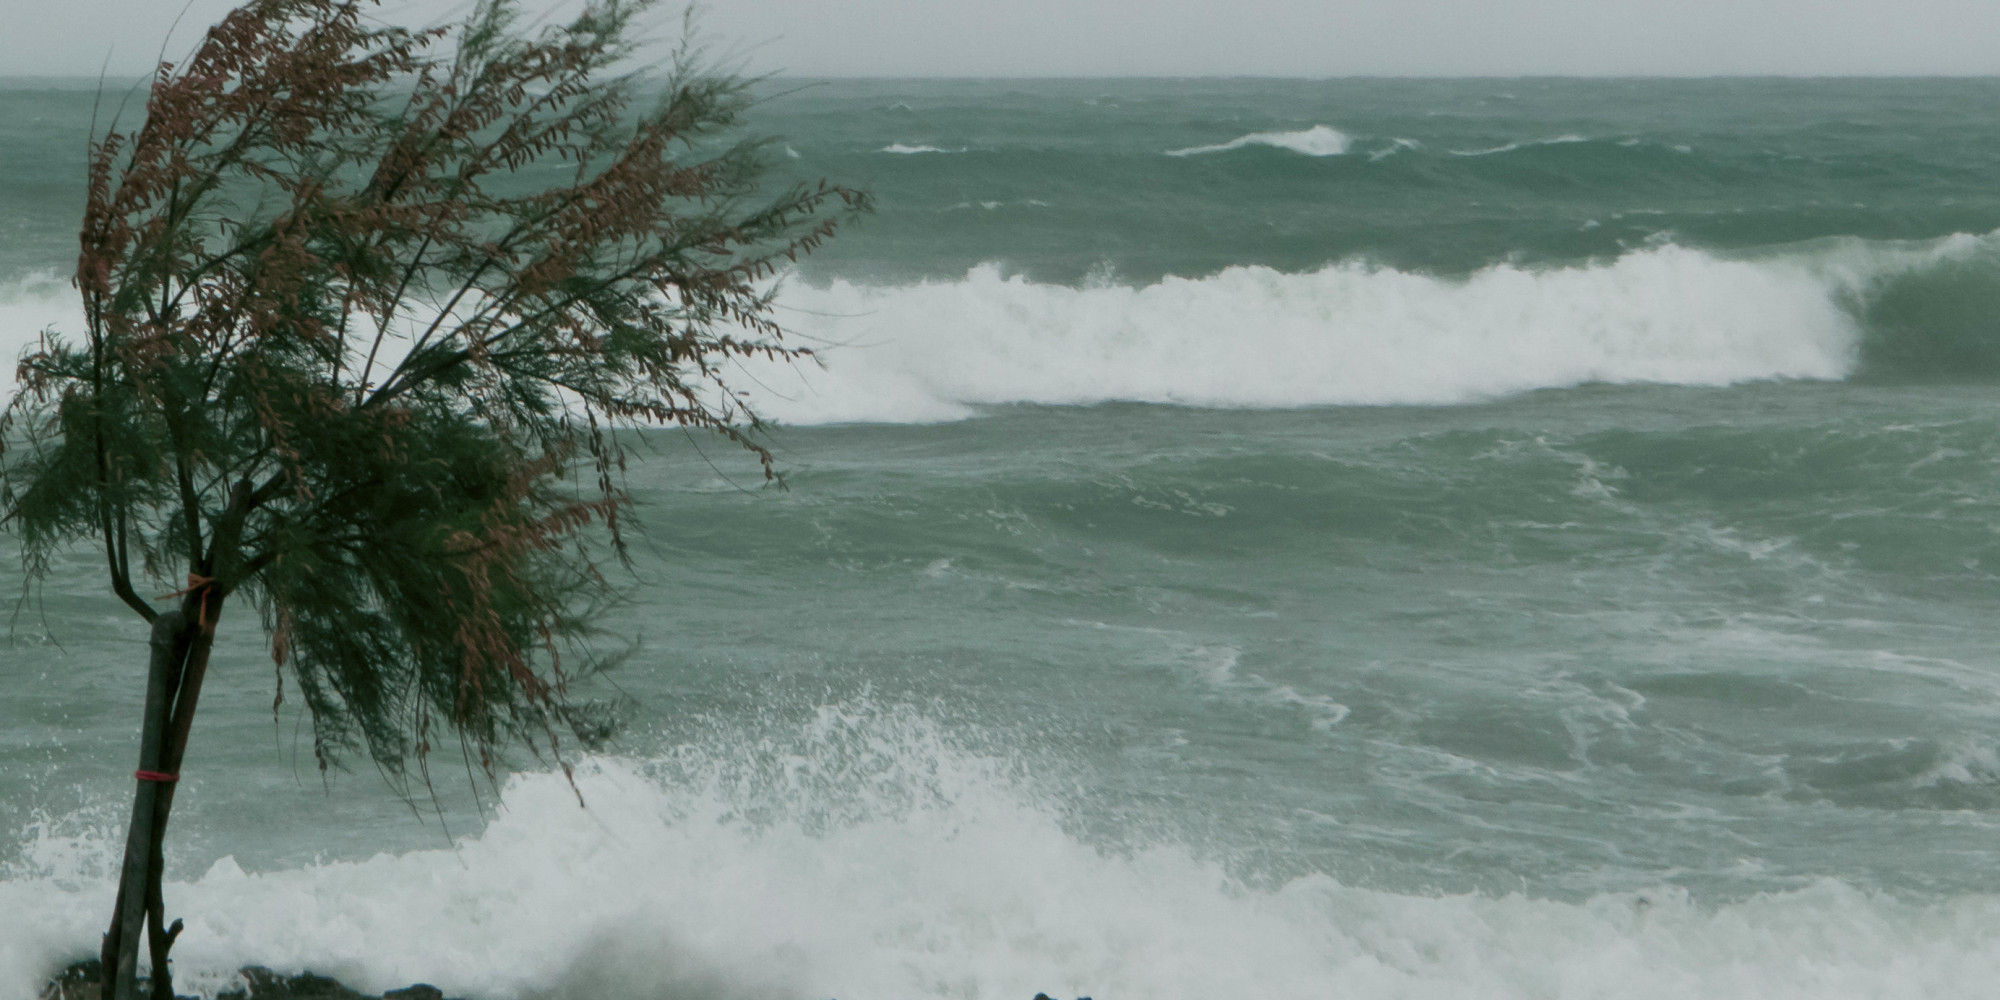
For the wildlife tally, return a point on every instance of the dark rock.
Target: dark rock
(263, 984)
(421, 991)
(80, 982)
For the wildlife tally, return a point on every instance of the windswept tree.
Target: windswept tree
(365, 308)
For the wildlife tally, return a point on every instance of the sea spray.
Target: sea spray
(1351, 333)
(869, 854)
(1633, 689)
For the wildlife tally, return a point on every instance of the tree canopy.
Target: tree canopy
(365, 309)
(359, 303)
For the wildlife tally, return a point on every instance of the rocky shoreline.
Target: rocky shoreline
(81, 982)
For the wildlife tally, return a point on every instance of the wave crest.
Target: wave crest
(1320, 140)
(1348, 334)
(867, 853)
(29, 304)
(1351, 333)
(1561, 140)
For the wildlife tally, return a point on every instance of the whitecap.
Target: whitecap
(1320, 140)
(875, 857)
(29, 304)
(1348, 334)
(1560, 140)
(1394, 147)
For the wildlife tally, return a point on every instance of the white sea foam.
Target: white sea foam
(30, 304)
(897, 147)
(1394, 147)
(1320, 140)
(1216, 667)
(886, 861)
(1561, 140)
(1351, 333)
(1257, 338)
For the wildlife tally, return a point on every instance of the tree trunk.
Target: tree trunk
(121, 942)
(158, 941)
(160, 937)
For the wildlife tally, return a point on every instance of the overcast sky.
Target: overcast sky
(1313, 38)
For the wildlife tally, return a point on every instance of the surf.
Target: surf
(1350, 333)
(870, 853)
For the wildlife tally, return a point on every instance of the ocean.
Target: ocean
(1293, 539)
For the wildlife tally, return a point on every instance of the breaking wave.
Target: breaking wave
(1320, 140)
(868, 853)
(1561, 140)
(29, 304)
(1348, 334)
(1351, 333)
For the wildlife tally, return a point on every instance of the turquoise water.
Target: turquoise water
(1414, 538)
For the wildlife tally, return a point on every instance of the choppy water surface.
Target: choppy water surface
(1378, 539)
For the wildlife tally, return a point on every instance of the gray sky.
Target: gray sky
(1194, 37)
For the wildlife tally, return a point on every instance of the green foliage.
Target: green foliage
(365, 307)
